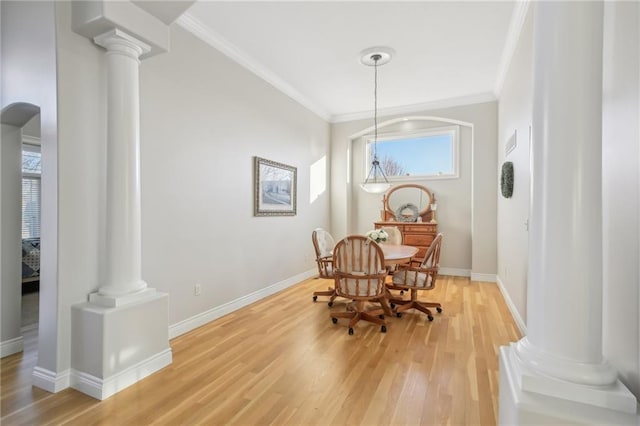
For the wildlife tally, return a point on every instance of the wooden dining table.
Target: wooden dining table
(395, 254)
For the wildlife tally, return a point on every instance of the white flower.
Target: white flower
(377, 235)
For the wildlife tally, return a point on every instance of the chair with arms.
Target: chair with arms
(395, 236)
(323, 244)
(416, 276)
(359, 275)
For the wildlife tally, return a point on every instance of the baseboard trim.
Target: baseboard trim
(454, 272)
(11, 346)
(203, 318)
(103, 388)
(28, 328)
(49, 380)
(491, 278)
(512, 307)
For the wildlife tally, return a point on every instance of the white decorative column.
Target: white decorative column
(123, 281)
(122, 334)
(557, 374)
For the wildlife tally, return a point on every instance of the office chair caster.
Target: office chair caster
(350, 331)
(334, 320)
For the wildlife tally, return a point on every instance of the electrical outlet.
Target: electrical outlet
(197, 289)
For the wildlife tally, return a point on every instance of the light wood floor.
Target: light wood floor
(282, 361)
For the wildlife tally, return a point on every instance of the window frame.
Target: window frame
(433, 131)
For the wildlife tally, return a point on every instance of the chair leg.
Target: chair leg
(405, 305)
(432, 305)
(385, 306)
(366, 316)
(330, 292)
(422, 308)
(359, 313)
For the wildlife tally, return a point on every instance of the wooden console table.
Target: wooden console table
(417, 234)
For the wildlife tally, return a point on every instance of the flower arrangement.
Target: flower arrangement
(378, 235)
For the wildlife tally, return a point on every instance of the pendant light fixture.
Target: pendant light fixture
(376, 181)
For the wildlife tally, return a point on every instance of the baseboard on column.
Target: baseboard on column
(49, 380)
(114, 347)
(103, 388)
(11, 346)
(519, 406)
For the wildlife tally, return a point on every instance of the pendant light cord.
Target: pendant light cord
(376, 58)
(375, 185)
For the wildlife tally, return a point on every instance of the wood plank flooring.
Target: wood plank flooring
(281, 361)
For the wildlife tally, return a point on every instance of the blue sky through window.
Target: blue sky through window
(421, 155)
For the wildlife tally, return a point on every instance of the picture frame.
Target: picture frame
(275, 188)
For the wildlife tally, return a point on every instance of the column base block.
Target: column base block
(115, 347)
(528, 398)
(116, 301)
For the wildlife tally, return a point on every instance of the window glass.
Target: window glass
(31, 162)
(428, 154)
(31, 171)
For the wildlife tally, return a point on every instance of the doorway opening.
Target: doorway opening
(20, 224)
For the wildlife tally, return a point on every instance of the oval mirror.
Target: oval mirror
(403, 200)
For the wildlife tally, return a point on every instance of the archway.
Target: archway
(13, 118)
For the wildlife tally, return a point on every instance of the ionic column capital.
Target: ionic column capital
(118, 42)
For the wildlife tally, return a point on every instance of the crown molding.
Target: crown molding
(410, 109)
(516, 25)
(215, 40)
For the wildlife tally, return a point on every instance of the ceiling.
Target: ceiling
(445, 51)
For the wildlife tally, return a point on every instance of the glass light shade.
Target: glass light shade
(375, 187)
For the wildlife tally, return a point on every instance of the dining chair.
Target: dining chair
(323, 244)
(359, 274)
(418, 276)
(395, 236)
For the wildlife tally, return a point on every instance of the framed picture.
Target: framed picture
(275, 188)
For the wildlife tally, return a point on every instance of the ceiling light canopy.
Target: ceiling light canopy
(376, 181)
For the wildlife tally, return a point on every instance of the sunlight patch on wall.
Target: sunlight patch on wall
(317, 179)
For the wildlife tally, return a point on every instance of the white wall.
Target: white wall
(515, 109)
(11, 177)
(466, 206)
(29, 75)
(203, 119)
(621, 189)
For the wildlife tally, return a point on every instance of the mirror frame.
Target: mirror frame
(426, 214)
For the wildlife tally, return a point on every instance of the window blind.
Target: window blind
(30, 207)
(31, 171)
